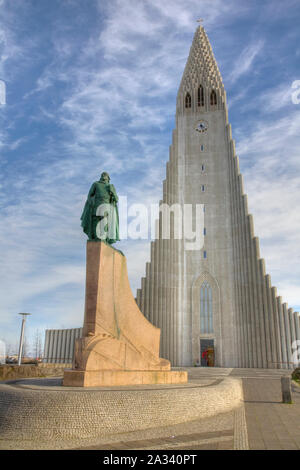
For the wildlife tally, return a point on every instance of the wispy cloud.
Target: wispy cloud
(245, 62)
(270, 157)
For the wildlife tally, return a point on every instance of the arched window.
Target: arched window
(213, 98)
(188, 101)
(206, 313)
(200, 96)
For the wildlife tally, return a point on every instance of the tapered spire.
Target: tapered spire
(201, 65)
(201, 68)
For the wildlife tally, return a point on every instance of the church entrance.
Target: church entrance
(207, 352)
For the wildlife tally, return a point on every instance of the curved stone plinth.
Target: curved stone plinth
(40, 410)
(119, 345)
(108, 378)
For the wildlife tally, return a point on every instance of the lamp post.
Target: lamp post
(22, 336)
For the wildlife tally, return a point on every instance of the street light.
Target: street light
(22, 336)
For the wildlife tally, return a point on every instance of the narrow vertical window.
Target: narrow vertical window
(202, 188)
(206, 310)
(202, 167)
(204, 231)
(200, 96)
(213, 98)
(202, 148)
(188, 100)
(204, 254)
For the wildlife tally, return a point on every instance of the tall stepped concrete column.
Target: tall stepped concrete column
(259, 293)
(256, 308)
(233, 186)
(231, 164)
(156, 280)
(250, 299)
(282, 333)
(297, 325)
(271, 322)
(147, 293)
(245, 329)
(287, 334)
(277, 328)
(265, 312)
(297, 331)
(292, 329)
(143, 297)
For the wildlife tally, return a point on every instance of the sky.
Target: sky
(91, 86)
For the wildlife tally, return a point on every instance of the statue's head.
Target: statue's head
(105, 177)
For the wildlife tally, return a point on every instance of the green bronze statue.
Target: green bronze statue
(100, 217)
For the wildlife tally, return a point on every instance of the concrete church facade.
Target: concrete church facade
(219, 296)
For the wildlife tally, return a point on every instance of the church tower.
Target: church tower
(217, 297)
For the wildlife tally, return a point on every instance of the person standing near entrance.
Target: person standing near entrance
(208, 355)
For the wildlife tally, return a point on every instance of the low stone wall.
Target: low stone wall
(34, 414)
(11, 372)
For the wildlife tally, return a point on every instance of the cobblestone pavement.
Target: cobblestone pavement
(177, 423)
(225, 431)
(261, 422)
(212, 433)
(270, 425)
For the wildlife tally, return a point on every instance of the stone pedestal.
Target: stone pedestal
(119, 345)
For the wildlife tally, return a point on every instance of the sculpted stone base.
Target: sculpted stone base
(107, 378)
(119, 345)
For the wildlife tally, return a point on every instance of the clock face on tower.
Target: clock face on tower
(202, 126)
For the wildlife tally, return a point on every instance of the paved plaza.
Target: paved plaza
(260, 422)
(270, 425)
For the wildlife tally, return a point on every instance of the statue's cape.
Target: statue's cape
(86, 216)
(113, 229)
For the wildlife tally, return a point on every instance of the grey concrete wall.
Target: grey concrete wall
(59, 345)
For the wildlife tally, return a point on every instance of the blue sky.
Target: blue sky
(91, 86)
